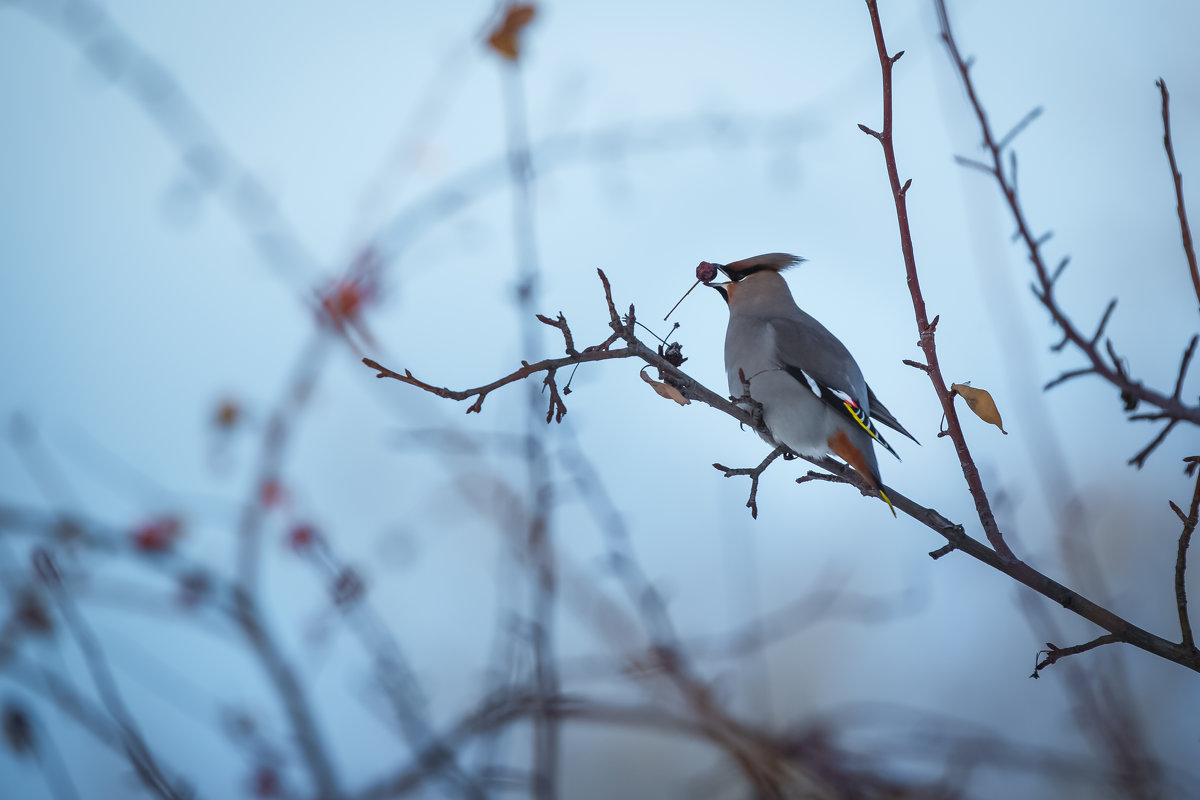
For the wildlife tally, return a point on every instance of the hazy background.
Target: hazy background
(133, 300)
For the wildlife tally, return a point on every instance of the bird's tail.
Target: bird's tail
(841, 446)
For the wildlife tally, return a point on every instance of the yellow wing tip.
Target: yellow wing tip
(889, 502)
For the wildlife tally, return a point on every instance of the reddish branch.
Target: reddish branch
(925, 329)
(1102, 361)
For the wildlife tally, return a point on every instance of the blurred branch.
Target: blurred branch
(140, 756)
(1103, 362)
(539, 541)
(296, 705)
(211, 163)
(393, 670)
(926, 329)
(1184, 229)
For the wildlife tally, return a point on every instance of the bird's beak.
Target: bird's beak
(726, 289)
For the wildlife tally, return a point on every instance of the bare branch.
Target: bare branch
(925, 329)
(561, 324)
(1068, 375)
(1053, 653)
(1183, 366)
(1139, 460)
(1184, 229)
(527, 369)
(1112, 304)
(1132, 392)
(754, 473)
(1185, 540)
(1025, 122)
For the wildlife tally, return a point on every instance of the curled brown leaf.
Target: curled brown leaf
(665, 389)
(980, 401)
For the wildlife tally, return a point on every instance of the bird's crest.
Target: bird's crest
(774, 262)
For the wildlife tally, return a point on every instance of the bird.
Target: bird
(813, 395)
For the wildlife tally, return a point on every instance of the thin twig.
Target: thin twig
(141, 757)
(1185, 539)
(1053, 653)
(1185, 231)
(754, 473)
(481, 392)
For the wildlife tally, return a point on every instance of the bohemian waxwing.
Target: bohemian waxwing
(813, 395)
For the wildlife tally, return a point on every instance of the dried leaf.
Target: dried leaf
(981, 402)
(665, 389)
(504, 37)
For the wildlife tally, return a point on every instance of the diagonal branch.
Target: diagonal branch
(953, 533)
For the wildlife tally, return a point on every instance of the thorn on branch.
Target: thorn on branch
(869, 132)
(896, 57)
(917, 365)
(907, 183)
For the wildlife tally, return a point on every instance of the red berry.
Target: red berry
(706, 272)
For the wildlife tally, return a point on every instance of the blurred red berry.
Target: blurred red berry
(301, 537)
(156, 535)
(271, 493)
(265, 782)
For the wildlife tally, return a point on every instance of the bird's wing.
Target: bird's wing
(879, 411)
(812, 355)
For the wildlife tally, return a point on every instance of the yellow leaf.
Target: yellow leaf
(981, 402)
(665, 389)
(503, 38)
